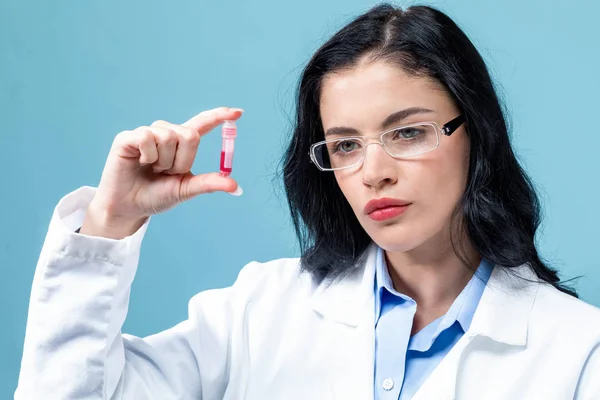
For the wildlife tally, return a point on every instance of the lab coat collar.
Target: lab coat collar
(502, 313)
(504, 309)
(349, 299)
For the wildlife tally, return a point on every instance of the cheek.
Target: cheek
(443, 181)
(350, 184)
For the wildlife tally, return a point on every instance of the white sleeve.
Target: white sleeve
(73, 346)
(588, 387)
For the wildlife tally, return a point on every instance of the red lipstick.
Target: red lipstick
(385, 208)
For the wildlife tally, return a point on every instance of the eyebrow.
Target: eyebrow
(391, 119)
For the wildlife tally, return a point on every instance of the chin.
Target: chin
(395, 238)
(397, 246)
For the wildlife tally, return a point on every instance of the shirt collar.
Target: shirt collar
(383, 281)
(462, 309)
(502, 314)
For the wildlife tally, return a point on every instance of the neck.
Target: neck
(432, 275)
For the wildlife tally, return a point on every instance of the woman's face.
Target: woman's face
(362, 99)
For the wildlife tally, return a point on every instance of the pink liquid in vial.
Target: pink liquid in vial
(228, 132)
(225, 171)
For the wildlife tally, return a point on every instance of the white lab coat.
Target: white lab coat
(274, 334)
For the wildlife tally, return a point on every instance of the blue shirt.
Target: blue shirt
(402, 362)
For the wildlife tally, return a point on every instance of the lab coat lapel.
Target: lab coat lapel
(349, 302)
(502, 315)
(505, 306)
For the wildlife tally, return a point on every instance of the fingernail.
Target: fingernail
(237, 192)
(237, 109)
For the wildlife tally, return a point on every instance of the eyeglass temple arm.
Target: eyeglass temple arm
(453, 125)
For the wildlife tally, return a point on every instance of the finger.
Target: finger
(166, 144)
(146, 144)
(208, 183)
(208, 120)
(187, 147)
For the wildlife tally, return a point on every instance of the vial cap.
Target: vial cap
(229, 129)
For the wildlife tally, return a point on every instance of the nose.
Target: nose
(379, 168)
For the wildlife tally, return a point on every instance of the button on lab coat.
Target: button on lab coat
(275, 334)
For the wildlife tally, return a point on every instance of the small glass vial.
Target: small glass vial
(228, 133)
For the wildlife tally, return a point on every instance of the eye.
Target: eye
(407, 133)
(346, 146)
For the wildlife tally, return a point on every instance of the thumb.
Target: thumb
(209, 183)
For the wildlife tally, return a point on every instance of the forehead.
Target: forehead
(365, 95)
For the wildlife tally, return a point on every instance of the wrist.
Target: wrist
(101, 222)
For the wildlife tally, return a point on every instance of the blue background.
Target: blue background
(75, 73)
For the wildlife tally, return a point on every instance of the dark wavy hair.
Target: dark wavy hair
(499, 210)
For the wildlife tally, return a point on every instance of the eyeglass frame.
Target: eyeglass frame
(447, 129)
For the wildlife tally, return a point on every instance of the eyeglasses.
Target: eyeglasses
(401, 142)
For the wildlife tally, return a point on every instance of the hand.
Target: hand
(148, 171)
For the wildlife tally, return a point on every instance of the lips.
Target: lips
(385, 202)
(385, 208)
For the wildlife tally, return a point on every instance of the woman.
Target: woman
(419, 276)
